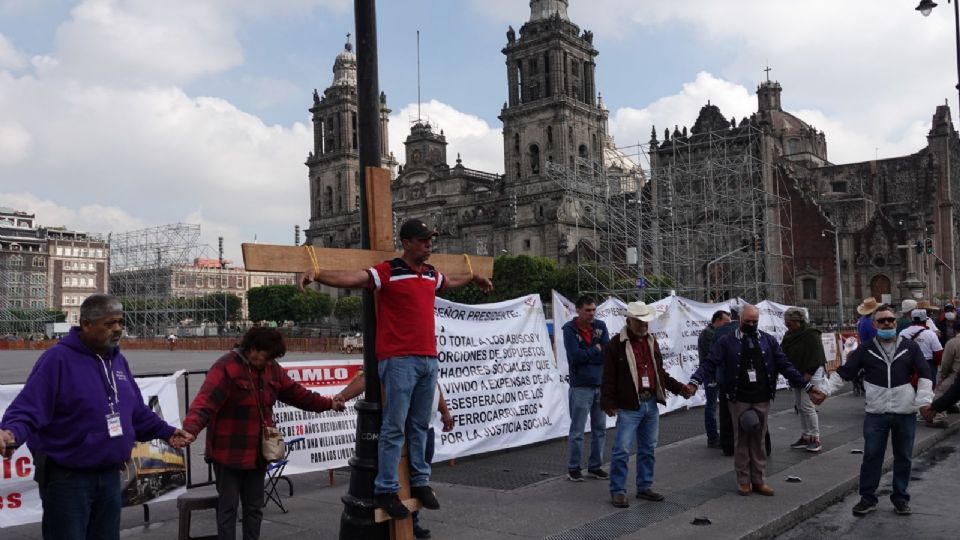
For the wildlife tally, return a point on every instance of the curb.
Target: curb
(841, 490)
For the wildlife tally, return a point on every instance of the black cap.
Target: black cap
(416, 229)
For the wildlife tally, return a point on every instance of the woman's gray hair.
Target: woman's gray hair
(794, 314)
(96, 306)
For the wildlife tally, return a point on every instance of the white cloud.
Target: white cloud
(141, 41)
(630, 125)
(480, 145)
(10, 58)
(15, 143)
(91, 218)
(158, 154)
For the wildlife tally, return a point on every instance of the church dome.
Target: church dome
(345, 66)
(619, 164)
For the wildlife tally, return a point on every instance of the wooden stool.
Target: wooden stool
(195, 499)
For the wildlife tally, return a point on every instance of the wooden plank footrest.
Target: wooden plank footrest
(412, 504)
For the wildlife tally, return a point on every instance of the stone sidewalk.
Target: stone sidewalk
(698, 483)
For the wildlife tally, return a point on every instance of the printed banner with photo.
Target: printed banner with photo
(155, 471)
(320, 441)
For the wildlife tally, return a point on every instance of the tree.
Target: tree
(513, 276)
(310, 305)
(271, 303)
(348, 309)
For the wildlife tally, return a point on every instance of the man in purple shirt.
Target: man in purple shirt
(80, 413)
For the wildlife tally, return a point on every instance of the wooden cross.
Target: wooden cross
(273, 258)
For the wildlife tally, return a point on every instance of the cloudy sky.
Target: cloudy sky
(122, 114)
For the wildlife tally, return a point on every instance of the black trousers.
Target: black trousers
(725, 425)
(244, 486)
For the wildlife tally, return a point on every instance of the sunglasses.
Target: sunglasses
(886, 320)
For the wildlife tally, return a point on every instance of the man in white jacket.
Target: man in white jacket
(889, 364)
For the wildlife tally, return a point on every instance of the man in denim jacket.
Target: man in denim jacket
(584, 340)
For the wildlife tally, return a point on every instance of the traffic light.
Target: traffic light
(918, 246)
(757, 244)
(928, 245)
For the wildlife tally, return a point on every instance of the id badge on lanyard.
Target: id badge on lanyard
(645, 381)
(752, 375)
(114, 426)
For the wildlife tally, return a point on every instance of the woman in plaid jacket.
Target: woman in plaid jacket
(236, 402)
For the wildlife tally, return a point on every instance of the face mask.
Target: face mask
(887, 333)
(950, 316)
(748, 328)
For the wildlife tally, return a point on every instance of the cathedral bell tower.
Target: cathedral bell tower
(334, 161)
(552, 113)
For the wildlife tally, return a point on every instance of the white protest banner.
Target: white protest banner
(831, 351)
(19, 496)
(564, 311)
(771, 322)
(154, 472)
(613, 313)
(498, 376)
(677, 329)
(328, 437)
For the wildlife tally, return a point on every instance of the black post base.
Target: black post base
(357, 520)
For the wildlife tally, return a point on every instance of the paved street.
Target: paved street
(934, 487)
(523, 493)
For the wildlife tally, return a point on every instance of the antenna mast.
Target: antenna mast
(418, 78)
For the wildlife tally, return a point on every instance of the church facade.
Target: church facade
(895, 220)
(552, 115)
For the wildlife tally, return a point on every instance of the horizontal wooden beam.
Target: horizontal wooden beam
(274, 258)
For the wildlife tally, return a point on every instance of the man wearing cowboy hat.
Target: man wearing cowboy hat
(634, 382)
(749, 361)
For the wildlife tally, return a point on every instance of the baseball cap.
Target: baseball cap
(919, 315)
(416, 229)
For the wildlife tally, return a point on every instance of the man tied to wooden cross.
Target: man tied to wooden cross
(407, 356)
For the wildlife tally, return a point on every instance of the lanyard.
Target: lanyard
(111, 382)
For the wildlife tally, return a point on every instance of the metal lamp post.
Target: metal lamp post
(836, 247)
(926, 6)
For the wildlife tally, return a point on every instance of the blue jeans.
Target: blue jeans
(409, 383)
(584, 400)
(429, 455)
(902, 427)
(639, 427)
(81, 505)
(712, 392)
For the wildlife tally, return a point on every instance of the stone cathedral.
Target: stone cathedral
(890, 225)
(552, 114)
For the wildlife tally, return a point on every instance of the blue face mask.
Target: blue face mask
(887, 333)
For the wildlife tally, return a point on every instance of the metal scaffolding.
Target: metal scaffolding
(608, 225)
(143, 264)
(706, 218)
(18, 284)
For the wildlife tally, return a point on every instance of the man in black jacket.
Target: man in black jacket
(711, 392)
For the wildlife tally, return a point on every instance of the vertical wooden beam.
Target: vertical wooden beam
(380, 208)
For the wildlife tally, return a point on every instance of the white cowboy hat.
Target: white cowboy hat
(641, 311)
(868, 306)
